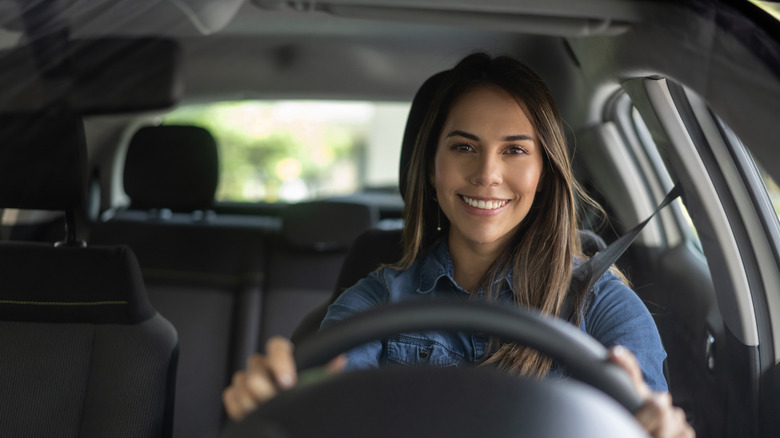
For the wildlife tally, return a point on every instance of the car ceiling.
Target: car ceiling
(382, 50)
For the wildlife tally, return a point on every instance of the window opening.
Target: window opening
(289, 151)
(649, 159)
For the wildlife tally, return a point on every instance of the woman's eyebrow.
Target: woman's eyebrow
(458, 133)
(516, 137)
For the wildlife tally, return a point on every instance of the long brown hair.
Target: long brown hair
(542, 253)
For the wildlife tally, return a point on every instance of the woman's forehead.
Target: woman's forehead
(487, 110)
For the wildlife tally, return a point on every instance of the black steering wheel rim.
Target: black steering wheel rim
(461, 402)
(584, 357)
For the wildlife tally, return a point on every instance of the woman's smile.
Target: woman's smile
(484, 206)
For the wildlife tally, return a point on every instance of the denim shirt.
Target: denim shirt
(614, 316)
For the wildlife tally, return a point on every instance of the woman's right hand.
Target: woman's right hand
(265, 376)
(659, 417)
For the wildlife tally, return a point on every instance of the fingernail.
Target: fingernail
(286, 381)
(619, 350)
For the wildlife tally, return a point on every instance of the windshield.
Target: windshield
(772, 8)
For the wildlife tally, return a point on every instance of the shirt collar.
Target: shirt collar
(437, 265)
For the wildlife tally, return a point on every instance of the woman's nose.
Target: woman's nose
(487, 171)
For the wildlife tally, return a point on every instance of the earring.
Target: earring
(438, 214)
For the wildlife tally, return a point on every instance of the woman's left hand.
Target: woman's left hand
(658, 415)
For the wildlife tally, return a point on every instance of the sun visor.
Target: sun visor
(97, 76)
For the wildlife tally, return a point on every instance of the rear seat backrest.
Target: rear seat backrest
(83, 351)
(204, 275)
(304, 261)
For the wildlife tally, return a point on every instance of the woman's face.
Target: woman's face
(487, 168)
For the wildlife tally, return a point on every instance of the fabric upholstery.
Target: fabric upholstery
(371, 249)
(131, 381)
(40, 399)
(85, 380)
(42, 161)
(84, 352)
(94, 285)
(204, 272)
(174, 167)
(304, 263)
(325, 225)
(206, 279)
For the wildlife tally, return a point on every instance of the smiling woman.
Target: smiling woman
(640, 86)
(492, 137)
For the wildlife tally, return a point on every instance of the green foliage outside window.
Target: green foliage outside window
(773, 189)
(271, 158)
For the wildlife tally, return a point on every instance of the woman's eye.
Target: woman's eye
(462, 147)
(515, 150)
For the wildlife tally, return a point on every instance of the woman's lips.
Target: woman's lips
(482, 204)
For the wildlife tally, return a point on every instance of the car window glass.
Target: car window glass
(652, 153)
(771, 186)
(773, 189)
(300, 150)
(771, 8)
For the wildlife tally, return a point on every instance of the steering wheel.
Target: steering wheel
(451, 402)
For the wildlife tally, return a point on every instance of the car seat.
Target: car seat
(84, 353)
(204, 272)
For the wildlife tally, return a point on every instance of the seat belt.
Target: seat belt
(589, 273)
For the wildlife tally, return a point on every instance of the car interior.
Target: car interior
(132, 287)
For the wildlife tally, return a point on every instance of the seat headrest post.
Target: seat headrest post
(70, 232)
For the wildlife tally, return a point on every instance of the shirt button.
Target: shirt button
(424, 354)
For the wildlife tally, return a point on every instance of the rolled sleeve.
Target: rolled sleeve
(366, 294)
(617, 316)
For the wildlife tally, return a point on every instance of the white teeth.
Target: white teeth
(484, 205)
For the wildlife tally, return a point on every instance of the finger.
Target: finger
(336, 365)
(685, 429)
(622, 357)
(244, 397)
(651, 414)
(260, 384)
(674, 424)
(237, 398)
(230, 403)
(281, 362)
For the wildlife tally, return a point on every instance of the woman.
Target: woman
(490, 214)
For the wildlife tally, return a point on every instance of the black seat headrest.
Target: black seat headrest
(173, 167)
(42, 161)
(42, 283)
(326, 225)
